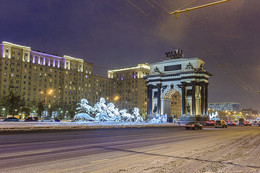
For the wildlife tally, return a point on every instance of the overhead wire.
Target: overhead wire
(234, 77)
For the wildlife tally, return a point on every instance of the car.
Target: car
(255, 123)
(241, 121)
(56, 120)
(232, 123)
(193, 125)
(11, 119)
(210, 123)
(31, 119)
(221, 124)
(47, 120)
(247, 123)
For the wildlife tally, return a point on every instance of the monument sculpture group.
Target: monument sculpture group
(102, 112)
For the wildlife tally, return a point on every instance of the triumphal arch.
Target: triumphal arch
(178, 86)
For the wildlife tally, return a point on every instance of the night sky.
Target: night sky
(122, 33)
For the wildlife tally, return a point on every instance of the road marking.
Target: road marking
(97, 161)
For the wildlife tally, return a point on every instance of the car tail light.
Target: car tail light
(192, 125)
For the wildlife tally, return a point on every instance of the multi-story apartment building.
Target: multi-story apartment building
(31, 74)
(101, 87)
(128, 88)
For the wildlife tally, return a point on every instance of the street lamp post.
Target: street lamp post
(3, 113)
(45, 99)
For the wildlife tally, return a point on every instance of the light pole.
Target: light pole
(3, 113)
(45, 99)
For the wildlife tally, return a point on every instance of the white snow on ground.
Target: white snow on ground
(7, 126)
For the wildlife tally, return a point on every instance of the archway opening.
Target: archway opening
(174, 98)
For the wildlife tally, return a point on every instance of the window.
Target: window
(172, 67)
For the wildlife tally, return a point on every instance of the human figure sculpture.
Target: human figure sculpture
(113, 112)
(138, 117)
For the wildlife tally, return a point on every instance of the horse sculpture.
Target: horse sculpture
(83, 117)
(126, 117)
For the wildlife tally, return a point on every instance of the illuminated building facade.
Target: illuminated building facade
(224, 106)
(100, 87)
(178, 86)
(30, 74)
(128, 89)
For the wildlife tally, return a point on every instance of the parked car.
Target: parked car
(47, 120)
(221, 124)
(31, 119)
(193, 125)
(11, 119)
(247, 123)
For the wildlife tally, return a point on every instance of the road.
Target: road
(235, 149)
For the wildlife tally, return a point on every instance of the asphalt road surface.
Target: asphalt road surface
(235, 149)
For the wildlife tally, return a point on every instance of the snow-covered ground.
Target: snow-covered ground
(12, 126)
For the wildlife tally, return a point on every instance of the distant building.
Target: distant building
(224, 106)
(249, 113)
(128, 88)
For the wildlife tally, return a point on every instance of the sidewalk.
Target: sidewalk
(50, 126)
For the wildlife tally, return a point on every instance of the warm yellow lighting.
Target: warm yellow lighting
(145, 65)
(73, 58)
(50, 92)
(15, 45)
(107, 98)
(116, 98)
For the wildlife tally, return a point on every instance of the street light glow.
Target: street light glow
(50, 91)
(116, 98)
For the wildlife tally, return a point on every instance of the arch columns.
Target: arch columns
(159, 86)
(149, 99)
(183, 97)
(193, 84)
